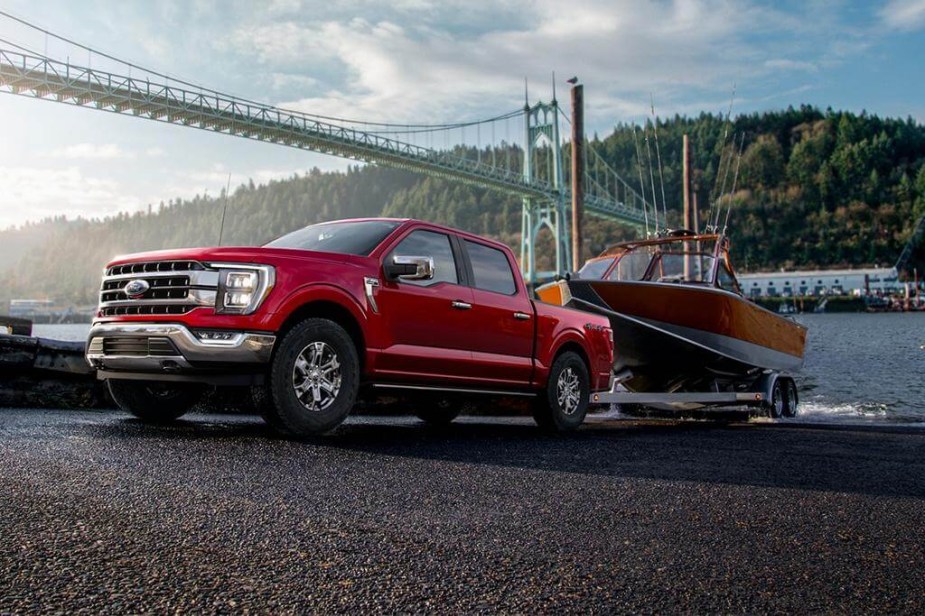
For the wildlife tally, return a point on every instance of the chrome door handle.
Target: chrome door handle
(522, 316)
(461, 305)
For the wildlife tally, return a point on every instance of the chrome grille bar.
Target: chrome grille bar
(173, 287)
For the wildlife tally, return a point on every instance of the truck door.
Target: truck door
(502, 337)
(428, 322)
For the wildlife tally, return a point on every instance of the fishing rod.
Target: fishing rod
(722, 192)
(735, 181)
(722, 153)
(642, 184)
(651, 175)
(661, 177)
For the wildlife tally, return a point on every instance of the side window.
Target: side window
(429, 244)
(491, 268)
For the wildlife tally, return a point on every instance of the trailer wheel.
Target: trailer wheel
(791, 398)
(314, 379)
(563, 404)
(154, 402)
(777, 401)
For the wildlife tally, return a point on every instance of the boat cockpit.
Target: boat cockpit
(680, 258)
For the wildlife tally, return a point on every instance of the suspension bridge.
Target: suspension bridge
(531, 166)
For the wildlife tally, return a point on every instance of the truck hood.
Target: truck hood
(237, 254)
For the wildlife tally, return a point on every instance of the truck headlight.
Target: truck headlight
(242, 288)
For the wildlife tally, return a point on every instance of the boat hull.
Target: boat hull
(668, 332)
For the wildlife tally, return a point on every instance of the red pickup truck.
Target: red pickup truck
(316, 315)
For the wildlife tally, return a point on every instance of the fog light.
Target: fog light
(216, 336)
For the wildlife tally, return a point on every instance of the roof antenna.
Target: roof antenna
(221, 228)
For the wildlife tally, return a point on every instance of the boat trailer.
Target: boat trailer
(773, 393)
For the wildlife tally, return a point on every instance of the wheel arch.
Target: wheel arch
(575, 347)
(333, 311)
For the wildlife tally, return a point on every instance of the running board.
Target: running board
(455, 390)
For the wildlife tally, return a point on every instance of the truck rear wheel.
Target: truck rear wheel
(314, 379)
(562, 405)
(154, 402)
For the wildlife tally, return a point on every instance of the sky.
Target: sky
(425, 61)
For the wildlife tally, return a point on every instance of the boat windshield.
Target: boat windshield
(685, 260)
(681, 267)
(595, 269)
(632, 266)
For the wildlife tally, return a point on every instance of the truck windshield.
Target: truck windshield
(351, 238)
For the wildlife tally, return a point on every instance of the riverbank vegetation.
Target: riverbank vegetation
(817, 188)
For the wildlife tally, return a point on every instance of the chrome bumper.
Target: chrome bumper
(183, 351)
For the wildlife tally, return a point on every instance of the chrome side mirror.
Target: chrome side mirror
(410, 268)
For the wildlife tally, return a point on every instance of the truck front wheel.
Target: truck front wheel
(154, 402)
(314, 378)
(562, 405)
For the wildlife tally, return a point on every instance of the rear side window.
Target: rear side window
(429, 244)
(491, 269)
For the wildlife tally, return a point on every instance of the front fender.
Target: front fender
(320, 292)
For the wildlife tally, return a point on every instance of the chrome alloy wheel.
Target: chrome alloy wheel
(568, 391)
(316, 376)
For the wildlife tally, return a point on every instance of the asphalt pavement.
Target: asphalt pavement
(101, 514)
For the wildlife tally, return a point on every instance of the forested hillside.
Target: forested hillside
(815, 188)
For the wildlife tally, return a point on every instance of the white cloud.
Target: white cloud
(91, 151)
(784, 64)
(904, 14)
(398, 69)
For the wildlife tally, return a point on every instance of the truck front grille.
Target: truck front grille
(134, 347)
(161, 288)
(118, 311)
(154, 266)
(173, 287)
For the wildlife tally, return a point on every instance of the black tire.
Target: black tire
(314, 379)
(437, 410)
(791, 398)
(155, 402)
(562, 405)
(776, 403)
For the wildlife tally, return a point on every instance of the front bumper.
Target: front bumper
(171, 348)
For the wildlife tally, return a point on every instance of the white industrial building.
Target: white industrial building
(821, 282)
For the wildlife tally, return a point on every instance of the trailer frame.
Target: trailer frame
(760, 394)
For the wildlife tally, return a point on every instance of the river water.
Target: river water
(859, 367)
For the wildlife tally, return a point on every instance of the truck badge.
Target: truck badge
(136, 288)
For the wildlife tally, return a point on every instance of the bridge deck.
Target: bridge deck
(44, 78)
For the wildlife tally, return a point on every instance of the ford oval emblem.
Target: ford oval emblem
(136, 288)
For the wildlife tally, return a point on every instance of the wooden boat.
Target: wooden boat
(679, 318)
